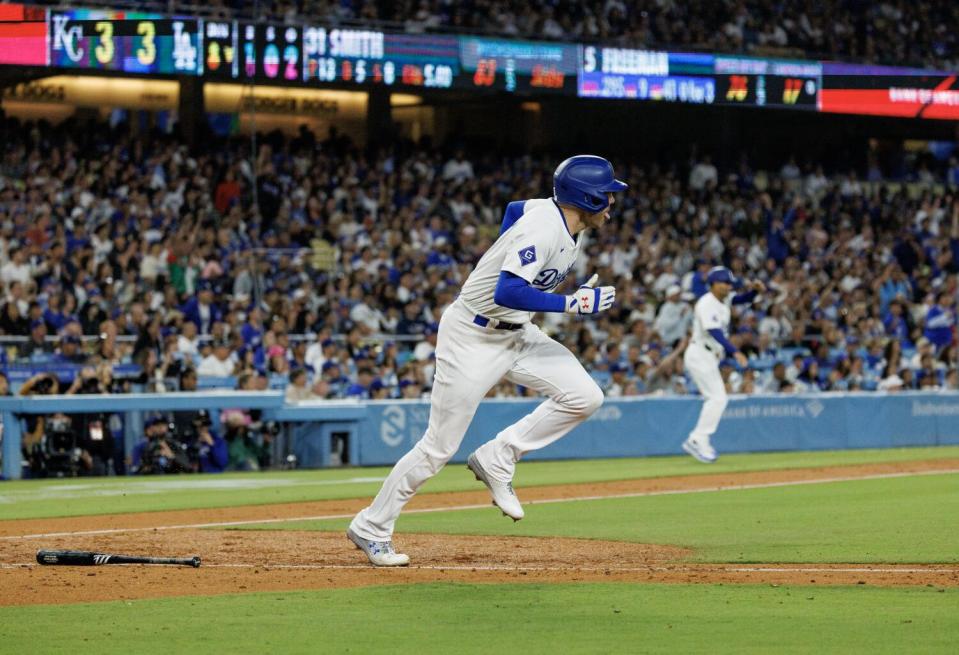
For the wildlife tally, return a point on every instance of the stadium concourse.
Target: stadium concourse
(119, 250)
(899, 33)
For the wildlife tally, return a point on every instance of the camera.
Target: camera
(188, 428)
(44, 385)
(59, 450)
(164, 452)
(89, 385)
(271, 428)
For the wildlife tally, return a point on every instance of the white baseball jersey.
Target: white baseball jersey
(702, 363)
(537, 247)
(472, 358)
(710, 313)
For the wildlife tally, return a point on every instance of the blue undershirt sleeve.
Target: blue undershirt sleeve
(512, 214)
(718, 335)
(744, 297)
(514, 292)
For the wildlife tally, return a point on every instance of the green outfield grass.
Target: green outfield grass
(459, 618)
(909, 519)
(75, 497)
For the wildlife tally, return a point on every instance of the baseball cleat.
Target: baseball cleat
(503, 495)
(703, 452)
(381, 553)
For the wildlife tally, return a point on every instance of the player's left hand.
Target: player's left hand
(589, 299)
(758, 286)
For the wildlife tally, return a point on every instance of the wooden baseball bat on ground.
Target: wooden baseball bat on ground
(88, 558)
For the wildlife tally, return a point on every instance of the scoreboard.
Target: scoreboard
(131, 42)
(148, 43)
(767, 82)
(379, 58)
(645, 75)
(271, 53)
(520, 66)
(220, 50)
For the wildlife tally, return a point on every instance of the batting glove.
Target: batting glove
(590, 300)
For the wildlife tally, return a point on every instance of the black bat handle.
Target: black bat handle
(180, 561)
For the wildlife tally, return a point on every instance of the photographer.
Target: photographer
(248, 437)
(159, 452)
(210, 451)
(41, 384)
(183, 418)
(92, 431)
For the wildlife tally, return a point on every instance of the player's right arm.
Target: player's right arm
(514, 292)
(526, 254)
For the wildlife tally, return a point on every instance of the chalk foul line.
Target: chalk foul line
(703, 568)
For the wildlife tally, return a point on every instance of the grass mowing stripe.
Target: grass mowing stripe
(458, 508)
(461, 618)
(50, 498)
(893, 520)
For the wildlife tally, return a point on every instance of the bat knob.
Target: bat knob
(195, 562)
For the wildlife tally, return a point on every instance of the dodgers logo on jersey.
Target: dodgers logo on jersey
(550, 278)
(527, 255)
(546, 279)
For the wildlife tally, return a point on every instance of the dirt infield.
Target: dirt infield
(245, 561)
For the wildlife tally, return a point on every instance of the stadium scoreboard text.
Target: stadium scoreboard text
(316, 55)
(128, 42)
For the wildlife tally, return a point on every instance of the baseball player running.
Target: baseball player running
(705, 350)
(486, 334)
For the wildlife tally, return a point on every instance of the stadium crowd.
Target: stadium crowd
(891, 32)
(132, 250)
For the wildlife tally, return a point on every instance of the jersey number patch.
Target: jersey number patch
(527, 255)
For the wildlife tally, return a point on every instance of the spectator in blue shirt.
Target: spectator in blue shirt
(412, 322)
(70, 350)
(201, 310)
(252, 330)
(212, 453)
(941, 321)
(893, 284)
(697, 283)
(896, 323)
(337, 382)
(361, 388)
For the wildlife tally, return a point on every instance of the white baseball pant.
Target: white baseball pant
(703, 367)
(470, 360)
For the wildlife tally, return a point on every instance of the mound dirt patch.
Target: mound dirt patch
(247, 561)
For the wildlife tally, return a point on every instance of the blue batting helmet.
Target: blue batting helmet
(583, 181)
(720, 274)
